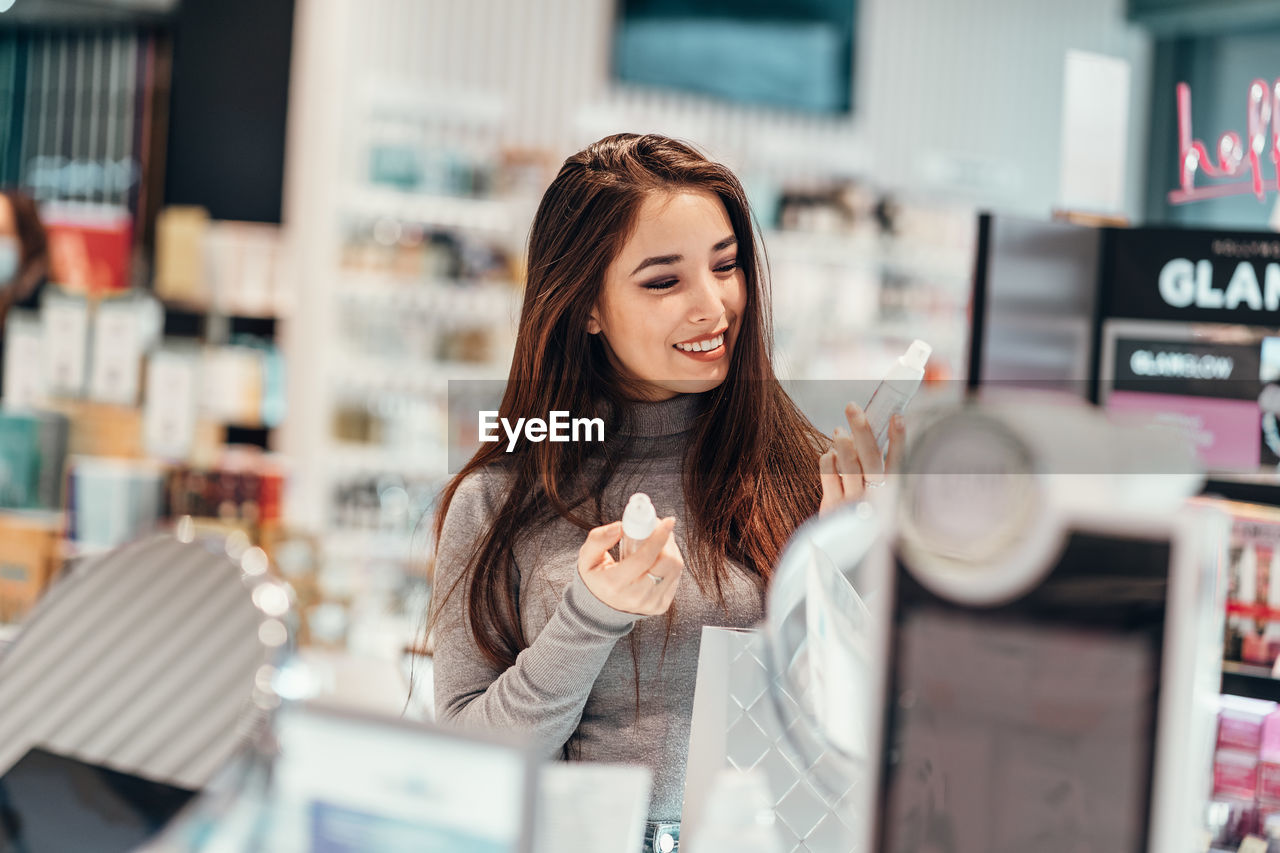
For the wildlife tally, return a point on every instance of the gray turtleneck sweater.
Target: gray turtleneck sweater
(573, 690)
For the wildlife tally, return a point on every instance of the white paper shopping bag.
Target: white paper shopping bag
(739, 724)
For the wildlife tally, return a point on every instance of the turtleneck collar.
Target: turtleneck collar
(664, 418)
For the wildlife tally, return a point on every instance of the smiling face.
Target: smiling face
(672, 299)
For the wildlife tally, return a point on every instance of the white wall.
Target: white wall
(959, 95)
(944, 89)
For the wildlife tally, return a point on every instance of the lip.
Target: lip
(702, 338)
(710, 355)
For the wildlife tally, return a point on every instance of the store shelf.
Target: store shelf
(405, 546)
(475, 214)
(1255, 682)
(431, 377)
(1255, 489)
(481, 299)
(871, 254)
(933, 329)
(349, 458)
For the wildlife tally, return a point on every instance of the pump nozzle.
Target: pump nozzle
(639, 518)
(917, 355)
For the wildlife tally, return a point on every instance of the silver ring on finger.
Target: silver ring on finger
(871, 484)
(657, 579)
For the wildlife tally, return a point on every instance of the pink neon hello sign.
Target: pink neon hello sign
(1234, 158)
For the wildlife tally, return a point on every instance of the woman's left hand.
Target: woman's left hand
(854, 464)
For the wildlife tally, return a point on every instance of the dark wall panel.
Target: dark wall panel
(227, 114)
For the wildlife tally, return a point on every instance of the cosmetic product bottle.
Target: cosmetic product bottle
(1272, 632)
(638, 522)
(896, 390)
(1247, 594)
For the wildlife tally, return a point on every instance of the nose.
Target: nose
(706, 298)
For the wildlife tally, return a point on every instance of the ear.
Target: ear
(593, 323)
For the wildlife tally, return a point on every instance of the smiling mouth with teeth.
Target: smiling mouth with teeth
(702, 346)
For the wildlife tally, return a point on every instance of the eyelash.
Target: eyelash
(667, 284)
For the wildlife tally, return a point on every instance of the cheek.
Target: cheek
(737, 303)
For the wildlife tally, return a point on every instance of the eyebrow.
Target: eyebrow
(663, 260)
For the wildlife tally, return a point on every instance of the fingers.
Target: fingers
(855, 459)
(596, 547)
(850, 469)
(897, 439)
(628, 585)
(864, 442)
(667, 590)
(669, 567)
(832, 490)
(644, 558)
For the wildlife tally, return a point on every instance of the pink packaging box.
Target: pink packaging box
(1235, 774)
(1240, 723)
(1269, 747)
(1268, 783)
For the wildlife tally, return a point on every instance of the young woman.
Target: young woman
(646, 306)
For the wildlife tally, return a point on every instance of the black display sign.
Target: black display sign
(1194, 276)
(1224, 371)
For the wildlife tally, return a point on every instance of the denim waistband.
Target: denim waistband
(661, 836)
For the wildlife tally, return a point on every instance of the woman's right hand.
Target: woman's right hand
(645, 582)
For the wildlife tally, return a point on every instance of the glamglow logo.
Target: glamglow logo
(558, 427)
(1184, 283)
(1180, 365)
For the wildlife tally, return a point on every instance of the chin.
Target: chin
(693, 386)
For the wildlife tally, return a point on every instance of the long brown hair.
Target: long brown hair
(750, 472)
(33, 245)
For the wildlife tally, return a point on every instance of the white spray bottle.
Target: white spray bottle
(638, 522)
(1272, 632)
(1247, 591)
(896, 390)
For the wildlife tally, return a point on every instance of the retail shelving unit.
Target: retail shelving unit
(391, 158)
(410, 284)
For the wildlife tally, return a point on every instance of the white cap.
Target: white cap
(917, 355)
(639, 518)
(1248, 568)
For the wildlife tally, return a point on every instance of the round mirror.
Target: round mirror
(145, 670)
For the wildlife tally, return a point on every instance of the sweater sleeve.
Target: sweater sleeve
(542, 695)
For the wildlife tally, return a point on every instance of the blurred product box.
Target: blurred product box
(1231, 819)
(90, 245)
(76, 347)
(125, 329)
(180, 265)
(229, 267)
(243, 488)
(112, 501)
(64, 321)
(29, 559)
(24, 375)
(245, 270)
(1240, 722)
(1269, 782)
(170, 413)
(1235, 774)
(101, 429)
(1269, 763)
(33, 450)
(232, 382)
